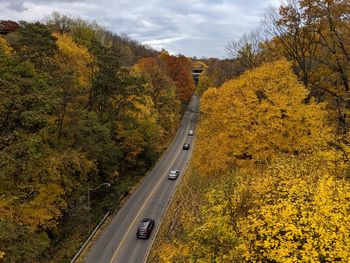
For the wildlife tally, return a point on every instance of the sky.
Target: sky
(201, 28)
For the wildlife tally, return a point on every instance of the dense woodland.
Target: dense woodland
(269, 180)
(80, 106)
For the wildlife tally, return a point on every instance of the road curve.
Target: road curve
(118, 244)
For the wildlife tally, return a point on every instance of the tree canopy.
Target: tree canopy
(79, 106)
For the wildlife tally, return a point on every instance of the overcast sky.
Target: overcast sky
(190, 27)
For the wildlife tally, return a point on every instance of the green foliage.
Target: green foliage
(74, 113)
(22, 244)
(94, 139)
(25, 101)
(35, 43)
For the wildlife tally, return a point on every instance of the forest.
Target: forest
(269, 180)
(80, 107)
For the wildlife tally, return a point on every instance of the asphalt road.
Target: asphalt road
(118, 244)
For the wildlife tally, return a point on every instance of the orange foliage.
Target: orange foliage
(179, 70)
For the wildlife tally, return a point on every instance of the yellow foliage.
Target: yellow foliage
(6, 47)
(45, 209)
(167, 252)
(2, 255)
(75, 57)
(272, 179)
(144, 130)
(256, 117)
(301, 214)
(198, 64)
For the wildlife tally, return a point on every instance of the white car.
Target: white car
(190, 132)
(173, 174)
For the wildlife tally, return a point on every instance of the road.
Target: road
(118, 244)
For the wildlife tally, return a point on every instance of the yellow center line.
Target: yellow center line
(142, 207)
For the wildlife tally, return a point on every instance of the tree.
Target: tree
(248, 50)
(255, 117)
(34, 42)
(162, 90)
(25, 98)
(218, 72)
(298, 213)
(293, 38)
(179, 70)
(5, 46)
(313, 34)
(73, 76)
(158, 81)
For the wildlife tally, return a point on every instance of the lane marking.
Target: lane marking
(132, 223)
(150, 195)
(188, 158)
(173, 159)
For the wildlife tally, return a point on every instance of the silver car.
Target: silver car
(173, 174)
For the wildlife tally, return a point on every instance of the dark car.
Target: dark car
(173, 174)
(145, 228)
(186, 146)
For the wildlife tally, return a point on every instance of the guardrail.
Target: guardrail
(89, 238)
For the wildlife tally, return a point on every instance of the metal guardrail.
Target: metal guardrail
(123, 197)
(90, 237)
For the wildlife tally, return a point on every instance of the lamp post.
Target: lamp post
(93, 189)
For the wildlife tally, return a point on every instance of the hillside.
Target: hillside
(265, 183)
(269, 180)
(80, 107)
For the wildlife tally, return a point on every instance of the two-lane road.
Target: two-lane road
(118, 244)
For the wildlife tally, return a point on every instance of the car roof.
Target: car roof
(146, 220)
(174, 171)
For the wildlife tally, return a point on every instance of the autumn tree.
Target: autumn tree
(313, 34)
(163, 93)
(179, 70)
(276, 187)
(74, 113)
(293, 38)
(35, 179)
(158, 81)
(263, 114)
(34, 42)
(218, 72)
(73, 74)
(248, 50)
(297, 213)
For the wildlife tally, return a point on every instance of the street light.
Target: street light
(94, 189)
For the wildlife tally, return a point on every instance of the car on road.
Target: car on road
(186, 146)
(173, 174)
(145, 228)
(190, 132)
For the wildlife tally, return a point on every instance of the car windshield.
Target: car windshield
(143, 224)
(173, 171)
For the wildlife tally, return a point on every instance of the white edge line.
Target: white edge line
(144, 260)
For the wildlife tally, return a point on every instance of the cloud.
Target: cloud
(193, 28)
(19, 5)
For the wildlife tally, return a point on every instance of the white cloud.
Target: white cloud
(194, 28)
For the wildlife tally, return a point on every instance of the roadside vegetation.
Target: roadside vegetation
(80, 106)
(269, 179)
